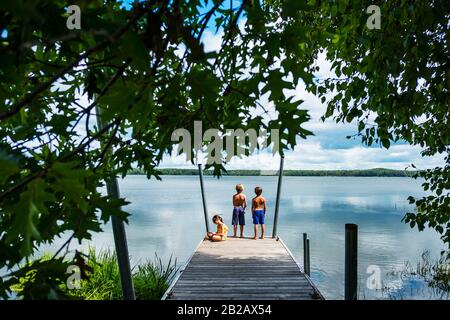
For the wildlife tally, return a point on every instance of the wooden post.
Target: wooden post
(308, 262)
(205, 209)
(351, 261)
(121, 245)
(120, 237)
(277, 202)
(305, 259)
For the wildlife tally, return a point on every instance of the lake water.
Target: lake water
(167, 218)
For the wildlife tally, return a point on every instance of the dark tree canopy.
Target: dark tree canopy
(146, 73)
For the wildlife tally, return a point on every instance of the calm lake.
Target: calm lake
(167, 218)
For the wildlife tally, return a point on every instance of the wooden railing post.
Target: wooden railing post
(277, 202)
(306, 265)
(308, 261)
(205, 209)
(351, 261)
(118, 227)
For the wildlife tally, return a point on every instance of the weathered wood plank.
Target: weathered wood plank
(242, 280)
(242, 269)
(249, 290)
(216, 296)
(233, 282)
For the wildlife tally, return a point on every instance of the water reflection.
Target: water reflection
(167, 217)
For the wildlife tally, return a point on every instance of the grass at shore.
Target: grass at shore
(150, 279)
(100, 279)
(427, 278)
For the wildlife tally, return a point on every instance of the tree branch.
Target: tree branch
(43, 171)
(107, 146)
(103, 92)
(44, 86)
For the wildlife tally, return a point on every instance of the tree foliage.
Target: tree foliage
(146, 71)
(394, 83)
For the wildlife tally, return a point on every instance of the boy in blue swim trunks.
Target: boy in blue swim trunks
(239, 205)
(259, 212)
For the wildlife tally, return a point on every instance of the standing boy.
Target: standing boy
(259, 212)
(239, 205)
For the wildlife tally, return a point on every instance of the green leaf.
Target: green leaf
(386, 143)
(8, 166)
(204, 85)
(25, 214)
(136, 50)
(69, 179)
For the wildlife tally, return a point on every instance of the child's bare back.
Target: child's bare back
(259, 212)
(239, 205)
(259, 203)
(239, 200)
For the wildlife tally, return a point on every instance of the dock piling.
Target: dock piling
(277, 202)
(351, 261)
(308, 261)
(305, 254)
(121, 245)
(119, 234)
(205, 209)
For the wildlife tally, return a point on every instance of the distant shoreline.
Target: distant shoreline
(376, 172)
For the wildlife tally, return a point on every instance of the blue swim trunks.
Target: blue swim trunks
(238, 216)
(258, 217)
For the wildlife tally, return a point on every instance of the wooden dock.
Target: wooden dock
(244, 269)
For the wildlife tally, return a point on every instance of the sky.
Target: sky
(329, 148)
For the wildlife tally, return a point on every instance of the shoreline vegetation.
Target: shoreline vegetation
(428, 277)
(101, 278)
(376, 172)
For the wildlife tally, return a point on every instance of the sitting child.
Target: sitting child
(222, 230)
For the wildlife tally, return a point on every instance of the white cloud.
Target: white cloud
(324, 67)
(212, 41)
(312, 156)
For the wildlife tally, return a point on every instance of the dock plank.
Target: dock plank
(242, 269)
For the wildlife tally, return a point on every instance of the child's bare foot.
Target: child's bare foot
(262, 237)
(255, 238)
